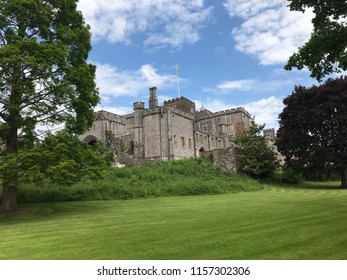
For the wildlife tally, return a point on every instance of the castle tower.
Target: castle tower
(153, 99)
(138, 129)
(269, 134)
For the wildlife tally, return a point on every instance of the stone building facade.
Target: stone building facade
(270, 136)
(175, 130)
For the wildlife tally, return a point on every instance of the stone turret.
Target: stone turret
(153, 99)
(270, 134)
(139, 108)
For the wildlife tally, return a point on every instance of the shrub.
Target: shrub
(184, 177)
(286, 176)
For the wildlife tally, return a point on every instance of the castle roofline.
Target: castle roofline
(178, 99)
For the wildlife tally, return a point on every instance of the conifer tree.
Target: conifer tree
(254, 156)
(44, 75)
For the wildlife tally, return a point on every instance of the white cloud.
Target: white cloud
(271, 32)
(164, 23)
(227, 87)
(120, 110)
(249, 8)
(243, 85)
(114, 83)
(265, 110)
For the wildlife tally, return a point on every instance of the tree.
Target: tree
(44, 76)
(326, 50)
(59, 159)
(253, 155)
(312, 132)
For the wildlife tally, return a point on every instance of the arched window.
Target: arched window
(90, 139)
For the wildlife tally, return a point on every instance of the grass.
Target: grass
(167, 178)
(279, 222)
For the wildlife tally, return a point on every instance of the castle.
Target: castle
(175, 130)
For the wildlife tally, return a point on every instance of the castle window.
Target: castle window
(190, 143)
(183, 141)
(175, 139)
(132, 148)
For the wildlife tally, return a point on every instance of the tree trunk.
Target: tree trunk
(9, 201)
(343, 178)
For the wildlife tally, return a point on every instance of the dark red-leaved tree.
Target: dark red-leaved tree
(313, 128)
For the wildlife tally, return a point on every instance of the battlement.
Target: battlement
(139, 105)
(232, 111)
(108, 116)
(181, 103)
(269, 133)
(180, 113)
(178, 99)
(205, 114)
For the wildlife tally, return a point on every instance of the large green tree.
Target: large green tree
(44, 74)
(254, 156)
(326, 50)
(59, 159)
(313, 128)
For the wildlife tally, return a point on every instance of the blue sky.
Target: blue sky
(231, 53)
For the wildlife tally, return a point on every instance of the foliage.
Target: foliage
(285, 176)
(44, 74)
(169, 178)
(326, 50)
(312, 133)
(253, 155)
(60, 159)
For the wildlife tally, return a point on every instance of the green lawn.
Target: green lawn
(275, 223)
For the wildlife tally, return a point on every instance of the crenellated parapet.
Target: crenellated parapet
(139, 105)
(178, 112)
(269, 134)
(110, 117)
(183, 104)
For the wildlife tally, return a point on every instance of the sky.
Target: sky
(230, 53)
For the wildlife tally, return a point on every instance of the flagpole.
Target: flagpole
(178, 82)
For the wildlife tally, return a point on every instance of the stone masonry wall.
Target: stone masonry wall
(223, 158)
(181, 130)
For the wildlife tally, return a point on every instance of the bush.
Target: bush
(184, 177)
(286, 176)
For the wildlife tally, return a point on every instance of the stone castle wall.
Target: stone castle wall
(182, 134)
(222, 158)
(172, 131)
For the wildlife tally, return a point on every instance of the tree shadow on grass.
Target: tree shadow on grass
(51, 210)
(317, 185)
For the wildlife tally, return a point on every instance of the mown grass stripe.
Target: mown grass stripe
(276, 223)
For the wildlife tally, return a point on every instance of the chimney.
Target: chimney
(153, 99)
